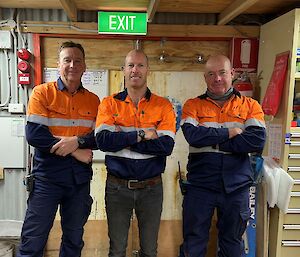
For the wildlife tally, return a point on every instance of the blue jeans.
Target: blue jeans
(233, 212)
(120, 202)
(75, 206)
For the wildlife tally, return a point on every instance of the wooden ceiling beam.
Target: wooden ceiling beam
(152, 8)
(233, 10)
(154, 30)
(70, 9)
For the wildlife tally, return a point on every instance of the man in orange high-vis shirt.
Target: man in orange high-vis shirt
(136, 129)
(222, 127)
(60, 126)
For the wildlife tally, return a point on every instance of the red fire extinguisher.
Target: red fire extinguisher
(243, 85)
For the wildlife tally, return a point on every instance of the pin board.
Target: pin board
(12, 138)
(95, 81)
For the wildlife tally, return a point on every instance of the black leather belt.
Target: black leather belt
(133, 183)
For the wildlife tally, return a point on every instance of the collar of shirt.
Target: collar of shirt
(122, 95)
(61, 86)
(235, 92)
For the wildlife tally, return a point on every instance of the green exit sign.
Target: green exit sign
(122, 23)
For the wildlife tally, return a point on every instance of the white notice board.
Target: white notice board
(95, 81)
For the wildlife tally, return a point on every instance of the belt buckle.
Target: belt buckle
(131, 181)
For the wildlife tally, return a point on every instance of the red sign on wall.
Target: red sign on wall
(244, 54)
(273, 94)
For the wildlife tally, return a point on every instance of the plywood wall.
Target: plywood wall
(110, 53)
(177, 86)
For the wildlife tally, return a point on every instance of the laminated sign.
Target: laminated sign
(273, 94)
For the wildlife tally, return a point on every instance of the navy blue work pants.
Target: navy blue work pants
(233, 212)
(120, 203)
(75, 206)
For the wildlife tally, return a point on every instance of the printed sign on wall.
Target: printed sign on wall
(244, 54)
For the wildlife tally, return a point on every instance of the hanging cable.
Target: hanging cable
(15, 96)
(24, 44)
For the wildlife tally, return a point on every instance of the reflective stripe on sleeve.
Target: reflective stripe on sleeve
(189, 120)
(166, 133)
(255, 122)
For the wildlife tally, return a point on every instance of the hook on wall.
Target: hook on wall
(138, 44)
(201, 59)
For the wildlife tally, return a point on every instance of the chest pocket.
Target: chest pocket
(127, 120)
(87, 114)
(149, 121)
(237, 115)
(206, 115)
(56, 111)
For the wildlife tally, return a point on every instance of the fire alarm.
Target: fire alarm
(23, 66)
(24, 54)
(24, 78)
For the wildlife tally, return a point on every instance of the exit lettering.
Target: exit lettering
(117, 22)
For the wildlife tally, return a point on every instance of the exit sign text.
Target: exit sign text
(122, 23)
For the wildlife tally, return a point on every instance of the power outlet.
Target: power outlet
(16, 108)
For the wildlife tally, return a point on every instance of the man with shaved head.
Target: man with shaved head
(222, 127)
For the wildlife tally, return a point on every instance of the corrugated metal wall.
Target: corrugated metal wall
(12, 191)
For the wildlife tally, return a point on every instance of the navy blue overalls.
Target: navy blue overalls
(59, 181)
(219, 171)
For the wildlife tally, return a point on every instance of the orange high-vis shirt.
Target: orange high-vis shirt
(63, 113)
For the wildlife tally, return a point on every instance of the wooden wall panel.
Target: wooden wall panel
(177, 86)
(110, 53)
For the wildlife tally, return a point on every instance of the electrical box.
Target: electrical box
(5, 39)
(12, 138)
(16, 108)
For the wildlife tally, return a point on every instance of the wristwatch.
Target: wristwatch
(141, 134)
(81, 142)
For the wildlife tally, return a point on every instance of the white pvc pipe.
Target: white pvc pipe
(6, 102)
(15, 95)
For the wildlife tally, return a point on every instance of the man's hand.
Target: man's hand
(150, 134)
(83, 155)
(65, 146)
(234, 132)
